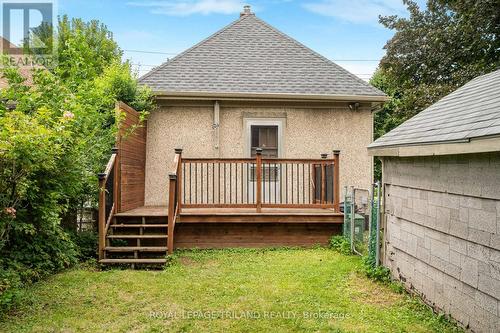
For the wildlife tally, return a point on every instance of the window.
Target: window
(265, 137)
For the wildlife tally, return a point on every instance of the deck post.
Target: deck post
(171, 212)
(178, 151)
(323, 180)
(258, 164)
(336, 180)
(102, 214)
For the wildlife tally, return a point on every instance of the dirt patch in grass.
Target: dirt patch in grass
(197, 261)
(367, 292)
(187, 261)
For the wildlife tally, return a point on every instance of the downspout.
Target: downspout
(215, 126)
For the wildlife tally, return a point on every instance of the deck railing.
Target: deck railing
(257, 182)
(108, 198)
(173, 199)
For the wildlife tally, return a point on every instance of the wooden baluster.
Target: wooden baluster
(336, 180)
(207, 174)
(218, 184)
(303, 184)
(224, 164)
(171, 212)
(323, 179)
(242, 182)
(178, 151)
(309, 182)
(213, 183)
(102, 214)
(196, 183)
(190, 184)
(258, 165)
(286, 183)
(201, 182)
(291, 182)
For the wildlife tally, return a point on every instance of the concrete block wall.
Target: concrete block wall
(442, 221)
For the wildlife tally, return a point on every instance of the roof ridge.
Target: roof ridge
(325, 59)
(200, 43)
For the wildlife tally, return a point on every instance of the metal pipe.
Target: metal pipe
(344, 231)
(377, 250)
(216, 125)
(371, 195)
(353, 220)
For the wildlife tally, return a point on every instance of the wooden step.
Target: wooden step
(122, 225)
(133, 261)
(136, 236)
(136, 248)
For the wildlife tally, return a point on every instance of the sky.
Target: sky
(345, 31)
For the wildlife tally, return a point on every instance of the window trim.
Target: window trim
(249, 122)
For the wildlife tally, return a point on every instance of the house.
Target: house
(269, 130)
(441, 179)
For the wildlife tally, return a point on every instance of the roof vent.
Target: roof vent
(246, 11)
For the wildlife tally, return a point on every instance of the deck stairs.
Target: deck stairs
(135, 240)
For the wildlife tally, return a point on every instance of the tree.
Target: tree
(84, 49)
(52, 145)
(433, 52)
(436, 50)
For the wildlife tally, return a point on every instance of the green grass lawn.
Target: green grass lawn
(283, 290)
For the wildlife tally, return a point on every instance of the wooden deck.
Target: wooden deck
(215, 203)
(244, 227)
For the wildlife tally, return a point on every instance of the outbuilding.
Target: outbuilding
(441, 181)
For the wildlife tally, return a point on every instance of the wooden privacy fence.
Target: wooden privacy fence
(256, 182)
(121, 185)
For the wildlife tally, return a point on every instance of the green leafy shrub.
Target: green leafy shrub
(86, 243)
(52, 145)
(377, 273)
(340, 244)
(10, 289)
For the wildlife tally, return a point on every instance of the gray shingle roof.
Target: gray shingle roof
(251, 57)
(471, 111)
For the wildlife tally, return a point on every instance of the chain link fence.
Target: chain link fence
(362, 221)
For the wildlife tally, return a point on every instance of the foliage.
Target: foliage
(377, 273)
(434, 51)
(84, 49)
(53, 144)
(293, 290)
(340, 244)
(440, 48)
(87, 243)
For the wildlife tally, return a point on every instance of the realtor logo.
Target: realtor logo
(27, 27)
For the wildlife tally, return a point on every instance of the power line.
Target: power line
(152, 52)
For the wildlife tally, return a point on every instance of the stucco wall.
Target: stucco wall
(308, 132)
(443, 232)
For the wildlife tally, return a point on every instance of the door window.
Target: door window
(265, 137)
